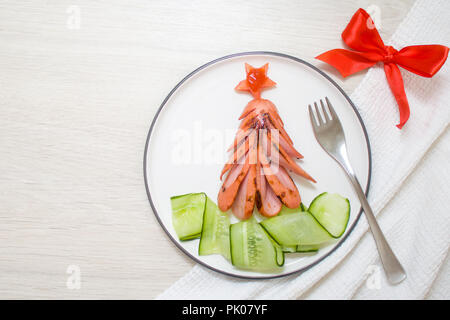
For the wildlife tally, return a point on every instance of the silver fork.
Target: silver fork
(330, 135)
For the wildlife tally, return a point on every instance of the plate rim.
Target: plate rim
(191, 74)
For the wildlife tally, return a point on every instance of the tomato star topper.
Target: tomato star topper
(256, 80)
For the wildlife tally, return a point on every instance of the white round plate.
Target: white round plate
(188, 138)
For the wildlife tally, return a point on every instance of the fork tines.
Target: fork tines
(327, 117)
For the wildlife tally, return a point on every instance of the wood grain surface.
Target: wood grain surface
(80, 82)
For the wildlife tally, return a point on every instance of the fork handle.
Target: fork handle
(394, 270)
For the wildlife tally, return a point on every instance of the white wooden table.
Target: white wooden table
(80, 82)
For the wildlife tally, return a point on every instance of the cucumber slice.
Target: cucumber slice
(215, 238)
(279, 250)
(307, 248)
(289, 249)
(252, 248)
(286, 210)
(332, 211)
(187, 215)
(296, 229)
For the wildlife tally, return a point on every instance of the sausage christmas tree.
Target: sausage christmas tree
(263, 156)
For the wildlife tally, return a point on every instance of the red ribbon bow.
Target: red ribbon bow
(361, 35)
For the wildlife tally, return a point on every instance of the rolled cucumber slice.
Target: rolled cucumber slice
(285, 210)
(187, 215)
(215, 237)
(251, 247)
(289, 249)
(308, 248)
(296, 229)
(279, 250)
(332, 211)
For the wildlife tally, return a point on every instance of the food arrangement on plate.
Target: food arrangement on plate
(258, 175)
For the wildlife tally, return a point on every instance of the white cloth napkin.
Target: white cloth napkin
(408, 191)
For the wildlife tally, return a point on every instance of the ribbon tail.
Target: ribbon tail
(395, 80)
(348, 62)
